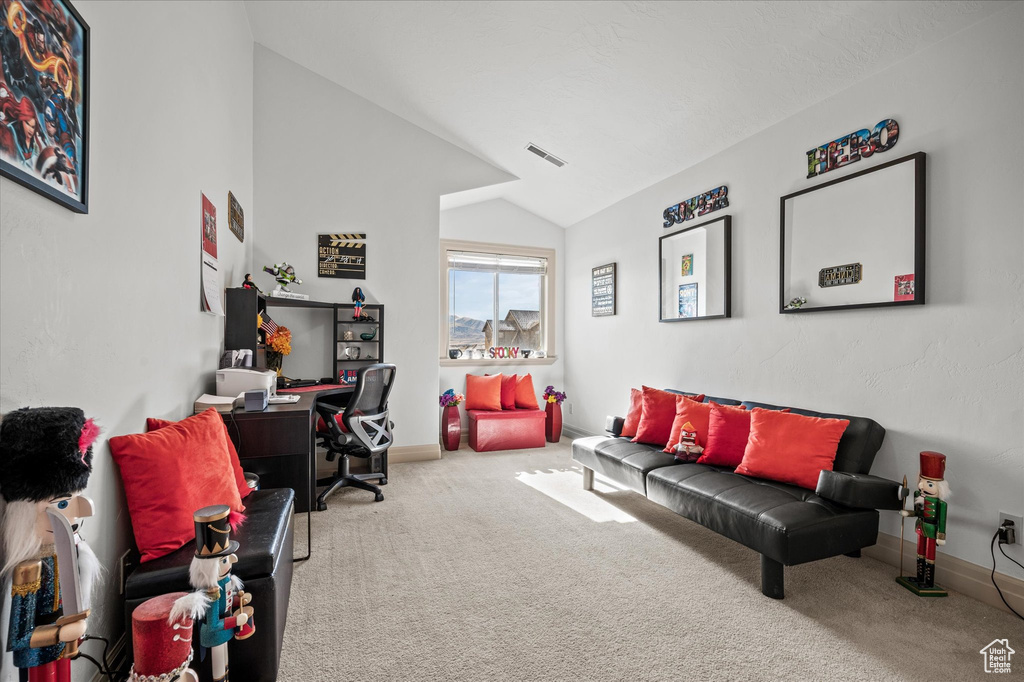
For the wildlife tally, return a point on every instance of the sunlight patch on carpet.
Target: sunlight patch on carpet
(566, 487)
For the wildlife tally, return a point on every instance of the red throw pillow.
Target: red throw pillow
(526, 397)
(658, 414)
(509, 382)
(170, 473)
(636, 407)
(689, 410)
(728, 429)
(791, 448)
(154, 424)
(483, 393)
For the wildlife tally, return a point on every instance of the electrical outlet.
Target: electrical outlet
(570, 407)
(1018, 525)
(125, 566)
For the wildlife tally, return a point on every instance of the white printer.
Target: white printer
(233, 381)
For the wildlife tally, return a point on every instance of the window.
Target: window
(496, 296)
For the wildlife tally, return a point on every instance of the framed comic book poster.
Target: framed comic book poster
(44, 99)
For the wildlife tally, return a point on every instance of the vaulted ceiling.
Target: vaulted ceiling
(627, 93)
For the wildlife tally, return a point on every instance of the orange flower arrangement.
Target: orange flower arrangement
(281, 341)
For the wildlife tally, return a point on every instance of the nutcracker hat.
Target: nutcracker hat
(161, 646)
(933, 465)
(213, 532)
(45, 452)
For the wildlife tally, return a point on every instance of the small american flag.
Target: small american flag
(269, 326)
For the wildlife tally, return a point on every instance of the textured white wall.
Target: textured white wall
(101, 311)
(948, 376)
(499, 222)
(325, 161)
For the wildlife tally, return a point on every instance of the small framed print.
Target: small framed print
(687, 267)
(903, 288)
(688, 300)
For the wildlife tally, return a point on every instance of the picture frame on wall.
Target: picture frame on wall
(602, 290)
(695, 272)
(688, 300)
(44, 96)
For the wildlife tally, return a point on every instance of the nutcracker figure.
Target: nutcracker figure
(219, 600)
(162, 643)
(45, 462)
(930, 509)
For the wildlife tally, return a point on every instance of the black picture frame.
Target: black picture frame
(918, 159)
(726, 225)
(602, 304)
(29, 177)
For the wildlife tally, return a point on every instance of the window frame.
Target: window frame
(548, 299)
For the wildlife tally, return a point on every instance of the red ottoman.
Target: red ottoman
(506, 430)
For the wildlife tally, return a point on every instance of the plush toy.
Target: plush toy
(930, 510)
(162, 645)
(45, 462)
(688, 450)
(218, 600)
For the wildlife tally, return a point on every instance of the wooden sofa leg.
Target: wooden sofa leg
(588, 479)
(772, 578)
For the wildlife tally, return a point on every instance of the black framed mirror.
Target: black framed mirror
(695, 271)
(855, 242)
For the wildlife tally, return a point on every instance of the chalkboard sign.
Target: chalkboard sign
(602, 291)
(342, 256)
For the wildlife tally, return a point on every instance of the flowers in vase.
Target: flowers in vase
(553, 396)
(281, 341)
(450, 398)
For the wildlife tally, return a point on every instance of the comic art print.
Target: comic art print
(44, 71)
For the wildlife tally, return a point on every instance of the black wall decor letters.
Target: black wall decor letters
(858, 145)
(702, 204)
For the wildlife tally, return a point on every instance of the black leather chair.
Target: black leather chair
(361, 428)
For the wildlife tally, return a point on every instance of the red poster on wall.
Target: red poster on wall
(209, 279)
(209, 227)
(903, 289)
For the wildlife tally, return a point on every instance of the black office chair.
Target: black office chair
(364, 431)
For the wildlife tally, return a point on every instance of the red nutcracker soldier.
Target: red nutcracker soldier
(930, 510)
(219, 600)
(45, 462)
(162, 644)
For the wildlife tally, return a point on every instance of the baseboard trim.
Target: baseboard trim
(953, 573)
(414, 453)
(116, 656)
(575, 431)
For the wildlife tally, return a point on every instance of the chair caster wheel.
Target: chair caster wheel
(383, 481)
(379, 497)
(321, 506)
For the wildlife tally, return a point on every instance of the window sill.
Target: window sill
(492, 362)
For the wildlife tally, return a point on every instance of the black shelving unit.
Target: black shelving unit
(240, 330)
(370, 351)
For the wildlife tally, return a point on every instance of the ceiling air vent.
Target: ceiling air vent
(544, 155)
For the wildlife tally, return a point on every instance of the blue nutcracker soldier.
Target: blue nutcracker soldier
(219, 600)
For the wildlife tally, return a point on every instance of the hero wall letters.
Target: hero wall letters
(855, 146)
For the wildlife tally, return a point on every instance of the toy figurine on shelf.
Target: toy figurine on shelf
(285, 275)
(218, 600)
(930, 510)
(358, 299)
(162, 645)
(249, 283)
(688, 450)
(45, 462)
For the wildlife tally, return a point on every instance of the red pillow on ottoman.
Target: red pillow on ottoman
(509, 382)
(154, 424)
(659, 411)
(526, 396)
(636, 408)
(483, 393)
(728, 429)
(791, 448)
(170, 473)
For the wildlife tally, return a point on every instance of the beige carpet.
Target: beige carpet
(498, 566)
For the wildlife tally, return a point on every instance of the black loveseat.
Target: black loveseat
(265, 543)
(786, 524)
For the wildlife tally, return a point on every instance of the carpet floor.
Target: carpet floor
(499, 566)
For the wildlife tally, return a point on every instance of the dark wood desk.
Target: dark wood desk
(279, 444)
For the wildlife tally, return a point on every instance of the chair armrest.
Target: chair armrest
(613, 425)
(861, 491)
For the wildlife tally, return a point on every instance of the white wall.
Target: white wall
(328, 161)
(499, 222)
(101, 311)
(947, 376)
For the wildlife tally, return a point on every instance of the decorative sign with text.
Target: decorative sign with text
(503, 352)
(602, 290)
(342, 256)
(840, 275)
(858, 145)
(236, 218)
(702, 204)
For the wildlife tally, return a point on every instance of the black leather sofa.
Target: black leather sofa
(265, 542)
(786, 524)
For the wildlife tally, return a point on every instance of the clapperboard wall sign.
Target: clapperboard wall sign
(840, 275)
(342, 256)
(602, 291)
